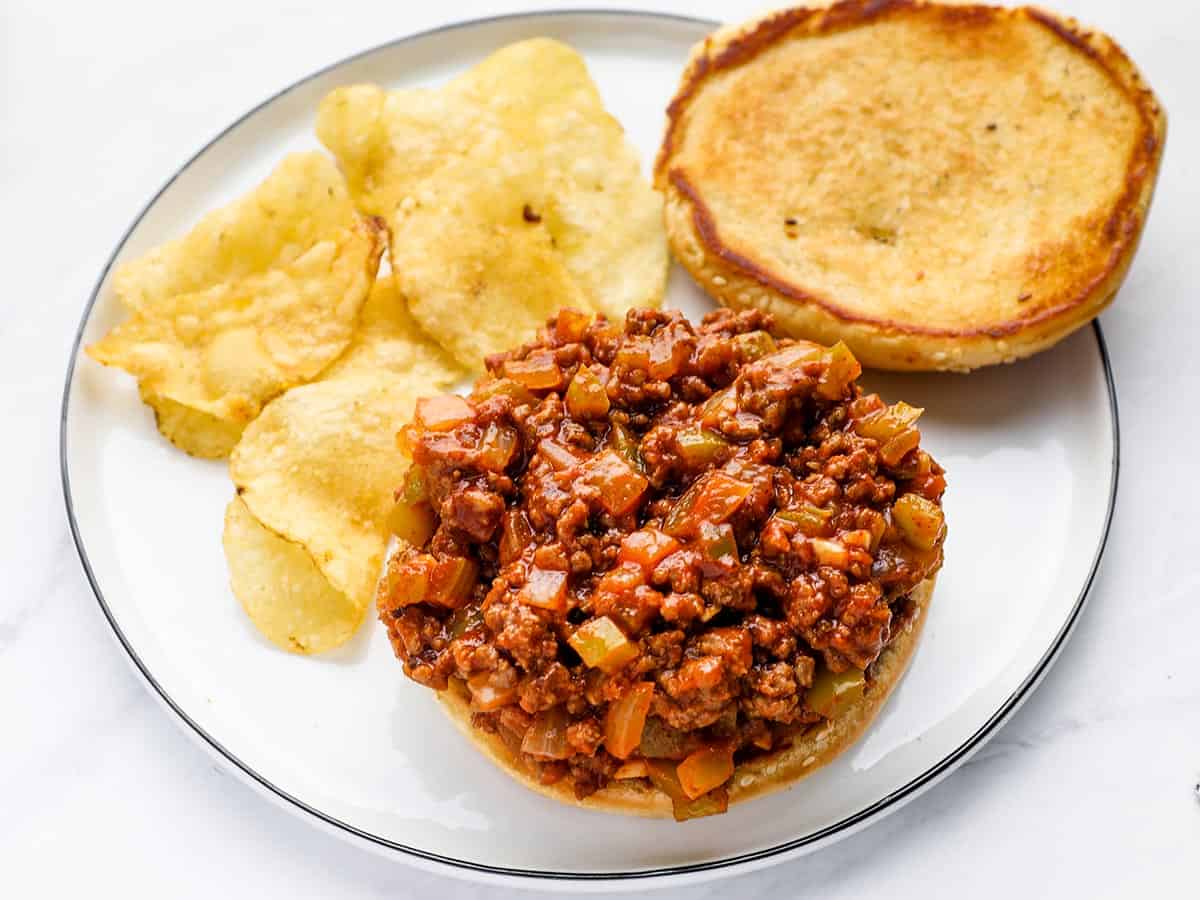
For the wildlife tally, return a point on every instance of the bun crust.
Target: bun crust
(940, 186)
(763, 775)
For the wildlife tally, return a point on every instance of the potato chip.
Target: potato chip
(192, 431)
(388, 142)
(282, 590)
(389, 340)
(228, 347)
(477, 274)
(514, 157)
(318, 468)
(606, 219)
(302, 202)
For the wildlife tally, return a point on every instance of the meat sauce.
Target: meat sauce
(654, 550)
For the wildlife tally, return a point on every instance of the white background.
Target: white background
(1088, 791)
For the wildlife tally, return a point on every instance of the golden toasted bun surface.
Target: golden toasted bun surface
(943, 187)
(764, 775)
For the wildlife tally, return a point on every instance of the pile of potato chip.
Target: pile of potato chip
(509, 192)
(317, 470)
(269, 336)
(260, 296)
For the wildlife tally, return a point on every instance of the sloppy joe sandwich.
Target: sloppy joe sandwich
(939, 186)
(655, 568)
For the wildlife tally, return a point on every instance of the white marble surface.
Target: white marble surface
(1086, 792)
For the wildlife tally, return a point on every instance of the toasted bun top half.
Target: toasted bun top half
(941, 186)
(763, 775)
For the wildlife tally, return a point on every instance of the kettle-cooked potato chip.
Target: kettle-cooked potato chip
(192, 431)
(605, 218)
(476, 273)
(318, 468)
(302, 202)
(388, 142)
(514, 157)
(222, 333)
(282, 590)
(388, 340)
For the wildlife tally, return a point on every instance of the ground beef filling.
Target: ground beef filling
(652, 550)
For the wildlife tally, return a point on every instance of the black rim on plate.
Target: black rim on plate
(897, 797)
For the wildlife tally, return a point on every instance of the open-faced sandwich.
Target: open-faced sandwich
(656, 568)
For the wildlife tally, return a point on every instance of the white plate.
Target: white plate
(1030, 449)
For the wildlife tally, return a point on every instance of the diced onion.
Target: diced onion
(545, 589)
(408, 583)
(877, 528)
(667, 355)
(452, 581)
(666, 778)
(704, 770)
(895, 449)
(571, 325)
(621, 580)
(720, 405)
(859, 539)
(547, 736)
(830, 553)
(444, 412)
(920, 521)
(586, 397)
(503, 387)
(538, 372)
(634, 768)
(515, 535)
(626, 720)
(558, 455)
(865, 405)
(924, 464)
(492, 690)
(497, 448)
(634, 354)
